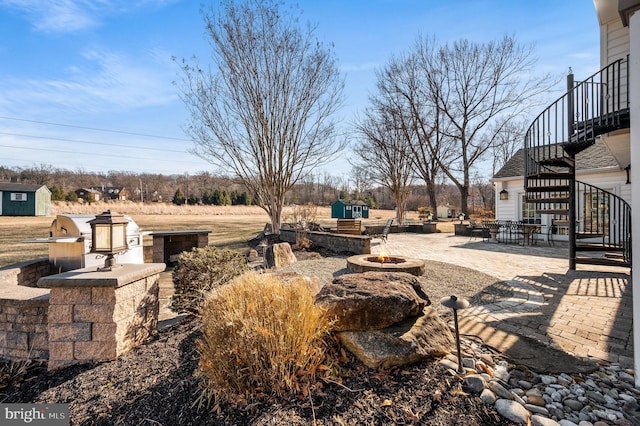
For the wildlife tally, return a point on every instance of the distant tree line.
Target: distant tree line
(217, 197)
(320, 189)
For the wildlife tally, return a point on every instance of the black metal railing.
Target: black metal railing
(591, 107)
(606, 216)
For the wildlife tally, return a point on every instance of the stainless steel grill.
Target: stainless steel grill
(70, 243)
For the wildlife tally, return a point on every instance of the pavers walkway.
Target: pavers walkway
(585, 313)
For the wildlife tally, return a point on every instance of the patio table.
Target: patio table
(528, 230)
(494, 228)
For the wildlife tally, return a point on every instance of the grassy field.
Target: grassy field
(230, 226)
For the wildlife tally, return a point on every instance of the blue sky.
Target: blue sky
(87, 84)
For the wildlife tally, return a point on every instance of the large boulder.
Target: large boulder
(413, 340)
(279, 255)
(372, 300)
(313, 283)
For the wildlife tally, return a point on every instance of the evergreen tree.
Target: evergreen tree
(217, 198)
(192, 200)
(57, 194)
(71, 196)
(178, 198)
(207, 197)
(226, 199)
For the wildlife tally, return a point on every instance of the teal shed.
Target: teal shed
(17, 199)
(341, 209)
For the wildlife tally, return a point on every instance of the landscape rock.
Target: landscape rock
(279, 255)
(473, 384)
(414, 340)
(537, 420)
(512, 411)
(372, 300)
(488, 397)
(313, 283)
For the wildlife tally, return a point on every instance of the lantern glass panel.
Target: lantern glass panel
(102, 238)
(119, 237)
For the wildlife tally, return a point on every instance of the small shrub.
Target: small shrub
(303, 214)
(200, 270)
(261, 336)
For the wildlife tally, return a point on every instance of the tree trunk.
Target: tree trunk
(464, 195)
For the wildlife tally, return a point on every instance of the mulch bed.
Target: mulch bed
(156, 384)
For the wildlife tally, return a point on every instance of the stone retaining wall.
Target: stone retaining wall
(23, 311)
(357, 244)
(25, 274)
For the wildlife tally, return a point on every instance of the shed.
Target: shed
(341, 209)
(17, 199)
(445, 212)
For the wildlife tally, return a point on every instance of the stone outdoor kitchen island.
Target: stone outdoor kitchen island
(98, 315)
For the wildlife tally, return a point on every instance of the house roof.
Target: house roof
(597, 156)
(10, 186)
(351, 202)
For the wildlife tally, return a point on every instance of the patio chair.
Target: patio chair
(516, 232)
(477, 229)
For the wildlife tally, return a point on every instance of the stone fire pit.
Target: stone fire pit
(370, 262)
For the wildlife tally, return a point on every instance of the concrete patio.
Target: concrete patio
(585, 314)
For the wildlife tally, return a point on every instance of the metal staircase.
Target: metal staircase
(598, 219)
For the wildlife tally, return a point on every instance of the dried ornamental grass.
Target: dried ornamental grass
(261, 336)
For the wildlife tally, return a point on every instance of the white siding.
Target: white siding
(614, 42)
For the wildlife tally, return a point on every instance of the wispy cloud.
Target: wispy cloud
(105, 81)
(66, 16)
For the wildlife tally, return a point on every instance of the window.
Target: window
(18, 196)
(596, 212)
(529, 213)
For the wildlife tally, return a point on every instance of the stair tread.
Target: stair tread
(555, 188)
(598, 247)
(551, 175)
(602, 261)
(584, 234)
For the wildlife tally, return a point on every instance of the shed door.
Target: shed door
(0, 203)
(357, 212)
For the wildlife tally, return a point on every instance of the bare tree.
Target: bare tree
(263, 112)
(507, 143)
(478, 90)
(384, 152)
(417, 110)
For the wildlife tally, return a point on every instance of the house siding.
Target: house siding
(614, 42)
(612, 181)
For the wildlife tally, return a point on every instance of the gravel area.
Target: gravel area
(439, 280)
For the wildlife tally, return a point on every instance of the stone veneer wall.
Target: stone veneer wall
(98, 323)
(23, 311)
(357, 244)
(23, 329)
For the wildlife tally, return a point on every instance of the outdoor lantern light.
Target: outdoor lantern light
(461, 217)
(504, 195)
(429, 216)
(109, 237)
(454, 303)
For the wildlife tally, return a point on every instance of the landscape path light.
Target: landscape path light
(456, 303)
(109, 237)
